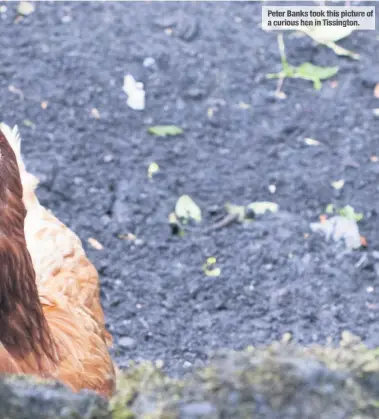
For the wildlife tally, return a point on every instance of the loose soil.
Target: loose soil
(276, 275)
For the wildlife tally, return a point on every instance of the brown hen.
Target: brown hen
(51, 319)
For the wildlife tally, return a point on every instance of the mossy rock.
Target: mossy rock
(23, 397)
(281, 381)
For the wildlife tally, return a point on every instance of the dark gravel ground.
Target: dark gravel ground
(94, 171)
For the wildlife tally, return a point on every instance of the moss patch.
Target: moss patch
(283, 379)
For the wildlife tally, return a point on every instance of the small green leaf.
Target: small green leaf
(306, 71)
(152, 169)
(329, 209)
(165, 130)
(209, 267)
(213, 272)
(238, 210)
(348, 212)
(311, 70)
(186, 208)
(28, 123)
(315, 73)
(260, 208)
(338, 184)
(25, 8)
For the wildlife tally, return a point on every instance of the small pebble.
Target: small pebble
(108, 158)
(148, 62)
(127, 342)
(187, 364)
(66, 19)
(78, 180)
(272, 188)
